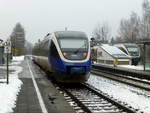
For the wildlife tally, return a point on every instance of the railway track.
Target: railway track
(86, 99)
(123, 78)
(124, 71)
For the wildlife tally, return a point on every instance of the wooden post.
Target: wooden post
(144, 57)
(7, 69)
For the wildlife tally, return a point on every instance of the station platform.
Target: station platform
(126, 68)
(28, 100)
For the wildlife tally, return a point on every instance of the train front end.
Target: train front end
(74, 62)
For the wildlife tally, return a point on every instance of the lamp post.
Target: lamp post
(39, 41)
(92, 41)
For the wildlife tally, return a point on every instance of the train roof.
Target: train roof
(126, 44)
(114, 51)
(73, 34)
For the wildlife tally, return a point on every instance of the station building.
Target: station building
(146, 56)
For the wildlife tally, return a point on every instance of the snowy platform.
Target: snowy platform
(27, 101)
(130, 68)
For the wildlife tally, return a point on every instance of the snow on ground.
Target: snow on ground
(8, 93)
(17, 60)
(138, 67)
(134, 97)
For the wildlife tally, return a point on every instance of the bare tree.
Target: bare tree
(136, 28)
(118, 40)
(129, 28)
(102, 32)
(145, 23)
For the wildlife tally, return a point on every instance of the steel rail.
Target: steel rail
(136, 82)
(80, 104)
(124, 108)
(106, 97)
(127, 72)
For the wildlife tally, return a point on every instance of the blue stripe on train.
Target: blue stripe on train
(60, 65)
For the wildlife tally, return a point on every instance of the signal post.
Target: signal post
(7, 51)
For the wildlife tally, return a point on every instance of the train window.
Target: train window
(123, 50)
(132, 49)
(73, 43)
(50, 43)
(45, 48)
(53, 50)
(46, 45)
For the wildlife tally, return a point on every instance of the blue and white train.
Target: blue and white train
(66, 54)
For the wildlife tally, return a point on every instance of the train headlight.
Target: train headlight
(65, 54)
(85, 54)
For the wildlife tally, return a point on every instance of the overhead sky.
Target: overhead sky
(38, 17)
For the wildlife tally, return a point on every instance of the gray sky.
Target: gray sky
(39, 17)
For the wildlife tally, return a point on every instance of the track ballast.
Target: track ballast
(86, 99)
(123, 78)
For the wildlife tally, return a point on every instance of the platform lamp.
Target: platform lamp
(92, 45)
(92, 41)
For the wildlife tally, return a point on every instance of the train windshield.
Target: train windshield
(133, 50)
(74, 48)
(67, 43)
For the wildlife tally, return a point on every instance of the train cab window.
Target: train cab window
(53, 50)
(133, 49)
(74, 48)
(123, 50)
(73, 43)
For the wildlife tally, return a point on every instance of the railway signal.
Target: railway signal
(7, 47)
(7, 51)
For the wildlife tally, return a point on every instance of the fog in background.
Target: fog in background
(38, 17)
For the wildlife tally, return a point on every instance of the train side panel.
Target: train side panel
(43, 62)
